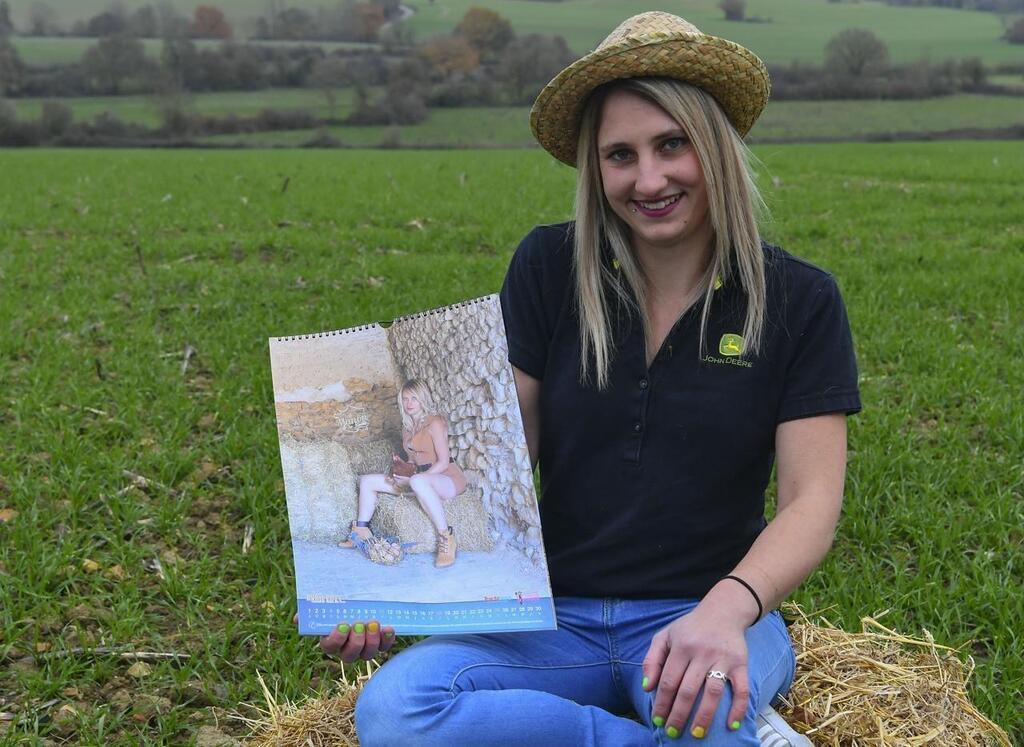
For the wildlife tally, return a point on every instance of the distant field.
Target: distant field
(144, 109)
(785, 120)
(798, 29)
(66, 49)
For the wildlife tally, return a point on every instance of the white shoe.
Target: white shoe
(773, 731)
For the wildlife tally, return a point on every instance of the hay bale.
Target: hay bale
(370, 457)
(325, 720)
(875, 687)
(321, 489)
(401, 516)
(878, 687)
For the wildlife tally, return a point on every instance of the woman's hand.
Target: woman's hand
(356, 641)
(679, 659)
(398, 482)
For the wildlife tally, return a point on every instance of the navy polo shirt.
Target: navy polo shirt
(654, 487)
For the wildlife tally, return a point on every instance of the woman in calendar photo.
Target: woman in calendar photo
(667, 360)
(428, 472)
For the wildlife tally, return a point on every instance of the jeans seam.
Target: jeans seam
(506, 665)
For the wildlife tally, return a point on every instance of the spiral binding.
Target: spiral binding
(396, 320)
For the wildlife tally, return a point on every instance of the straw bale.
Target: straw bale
(873, 688)
(324, 720)
(401, 516)
(370, 457)
(878, 687)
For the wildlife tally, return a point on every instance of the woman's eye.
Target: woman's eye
(674, 143)
(619, 155)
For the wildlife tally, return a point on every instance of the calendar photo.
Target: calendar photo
(408, 483)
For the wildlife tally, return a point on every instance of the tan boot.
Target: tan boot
(362, 533)
(445, 549)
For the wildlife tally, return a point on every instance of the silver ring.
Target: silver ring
(714, 674)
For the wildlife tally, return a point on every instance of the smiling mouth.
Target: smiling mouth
(659, 204)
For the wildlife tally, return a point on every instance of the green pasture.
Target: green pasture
(797, 29)
(782, 120)
(52, 50)
(145, 110)
(140, 288)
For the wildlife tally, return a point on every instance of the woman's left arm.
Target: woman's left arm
(810, 471)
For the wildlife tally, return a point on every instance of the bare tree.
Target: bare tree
(735, 10)
(42, 20)
(855, 52)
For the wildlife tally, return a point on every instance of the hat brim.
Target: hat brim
(732, 74)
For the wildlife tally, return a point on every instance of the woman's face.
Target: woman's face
(411, 403)
(651, 176)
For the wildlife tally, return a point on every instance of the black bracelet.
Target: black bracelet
(760, 607)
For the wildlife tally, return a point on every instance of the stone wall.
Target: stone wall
(461, 355)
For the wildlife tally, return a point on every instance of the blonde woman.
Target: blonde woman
(666, 360)
(434, 476)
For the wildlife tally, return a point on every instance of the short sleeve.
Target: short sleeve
(821, 376)
(523, 308)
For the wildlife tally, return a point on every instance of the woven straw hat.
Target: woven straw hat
(652, 44)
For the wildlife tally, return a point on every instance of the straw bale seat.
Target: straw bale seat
(401, 516)
(876, 687)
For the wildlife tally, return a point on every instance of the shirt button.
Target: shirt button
(643, 383)
(637, 427)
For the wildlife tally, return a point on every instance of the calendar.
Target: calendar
(407, 480)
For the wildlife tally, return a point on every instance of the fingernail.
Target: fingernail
(359, 628)
(658, 721)
(373, 627)
(389, 634)
(673, 732)
(645, 683)
(734, 725)
(342, 628)
(697, 732)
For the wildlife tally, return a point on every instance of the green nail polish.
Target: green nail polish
(645, 683)
(658, 721)
(342, 628)
(360, 629)
(673, 732)
(734, 725)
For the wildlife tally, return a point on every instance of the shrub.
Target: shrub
(55, 118)
(855, 52)
(735, 10)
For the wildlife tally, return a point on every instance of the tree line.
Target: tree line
(483, 62)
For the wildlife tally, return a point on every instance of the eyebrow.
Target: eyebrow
(612, 147)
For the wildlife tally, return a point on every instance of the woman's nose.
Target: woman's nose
(651, 179)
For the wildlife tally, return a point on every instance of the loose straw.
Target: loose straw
(876, 688)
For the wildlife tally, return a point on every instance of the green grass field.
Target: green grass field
(798, 29)
(782, 120)
(145, 110)
(117, 262)
(65, 49)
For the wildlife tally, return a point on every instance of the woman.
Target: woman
(665, 358)
(436, 477)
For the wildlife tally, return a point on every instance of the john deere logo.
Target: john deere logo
(730, 345)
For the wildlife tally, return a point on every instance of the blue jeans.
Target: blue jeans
(573, 686)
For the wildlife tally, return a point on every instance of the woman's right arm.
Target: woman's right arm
(528, 389)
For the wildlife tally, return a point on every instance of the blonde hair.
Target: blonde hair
(419, 389)
(734, 204)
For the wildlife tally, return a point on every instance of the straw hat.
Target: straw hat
(651, 44)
